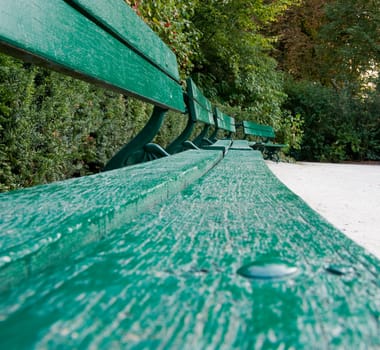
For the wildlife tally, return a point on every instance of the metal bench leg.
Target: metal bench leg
(178, 144)
(201, 139)
(135, 151)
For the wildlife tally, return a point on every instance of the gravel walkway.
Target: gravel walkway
(347, 195)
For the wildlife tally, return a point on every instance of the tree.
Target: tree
(350, 41)
(171, 20)
(234, 63)
(334, 42)
(297, 32)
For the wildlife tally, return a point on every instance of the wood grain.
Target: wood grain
(167, 278)
(56, 35)
(43, 224)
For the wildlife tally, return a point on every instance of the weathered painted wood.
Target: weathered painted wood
(199, 106)
(196, 94)
(202, 114)
(263, 131)
(168, 278)
(55, 34)
(199, 109)
(241, 145)
(123, 22)
(222, 145)
(42, 224)
(224, 121)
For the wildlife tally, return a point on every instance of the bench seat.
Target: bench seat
(42, 224)
(168, 278)
(241, 145)
(222, 145)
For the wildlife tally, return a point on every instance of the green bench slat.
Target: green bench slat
(265, 131)
(199, 113)
(86, 50)
(196, 94)
(200, 106)
(241, 145)
(123, 21)
(224, 121)
(222, 145)
(168, 278)
(44, 223)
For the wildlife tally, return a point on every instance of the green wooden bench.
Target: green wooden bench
(264, 135)
(111, 54)
(224, 129)
(200, 111)
(125, 56)
(104, 45)
(195, 250)
(224, 124)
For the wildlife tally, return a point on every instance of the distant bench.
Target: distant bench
(264, 135)
(201, 110)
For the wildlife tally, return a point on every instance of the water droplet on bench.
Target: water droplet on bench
(268, 270)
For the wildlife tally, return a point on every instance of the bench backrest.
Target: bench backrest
(258, 130)
(224, 121)
(103, 42)
(200, 107)
(108, 44)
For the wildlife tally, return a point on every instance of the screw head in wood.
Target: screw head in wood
(268, 270)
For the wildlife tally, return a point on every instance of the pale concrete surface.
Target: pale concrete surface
(347, 195)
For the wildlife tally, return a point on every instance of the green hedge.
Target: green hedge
(338, 125)
(54, 127)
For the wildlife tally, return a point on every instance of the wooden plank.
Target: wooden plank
(56, 35)
(251, 128)
(46, 223)
(222, 145)
(199, 113)
(196, 94)
(229, 123)
(241, 145)
(200, 107)
(122, 21)
(168, 278)
(224, 121)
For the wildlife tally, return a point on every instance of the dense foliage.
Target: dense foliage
(330, 50)
(224, 49)
(338, 126)
(54, 127)
(307, 67)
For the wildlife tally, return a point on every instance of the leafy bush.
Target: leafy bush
(337, 124)
(53, 127)
(171, 20)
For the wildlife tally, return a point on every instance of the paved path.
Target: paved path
(346, 195)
